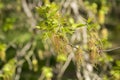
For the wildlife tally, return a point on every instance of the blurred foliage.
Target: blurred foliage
(48, 39)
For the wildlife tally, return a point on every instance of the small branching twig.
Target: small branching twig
(22, 53)
(19, 70)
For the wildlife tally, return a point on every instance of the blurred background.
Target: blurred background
(26, 53)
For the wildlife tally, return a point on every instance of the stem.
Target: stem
(65, 66)
(108, 50)
(42, 76)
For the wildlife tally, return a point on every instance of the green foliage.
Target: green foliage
(2, 52)
(8, 24)
(51, 21)
(47, 71)
(61, 58)
(9, 70)
(115, 72)
(44, 51)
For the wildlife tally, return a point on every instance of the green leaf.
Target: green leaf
(47, 72)
(61, 58)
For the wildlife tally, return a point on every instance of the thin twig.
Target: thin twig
(42, 76)
(65, 65)
(108, 50)
(28, 13)
(78, 74)
(20, 62)
(19, 70)
(26, 9)
(22, 52)
(19, 55)
(25, 48)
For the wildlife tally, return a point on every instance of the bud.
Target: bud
(35, 64)
(101, 17)
(104, 33)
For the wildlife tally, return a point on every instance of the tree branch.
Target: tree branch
(71, 55)
(28, 13)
